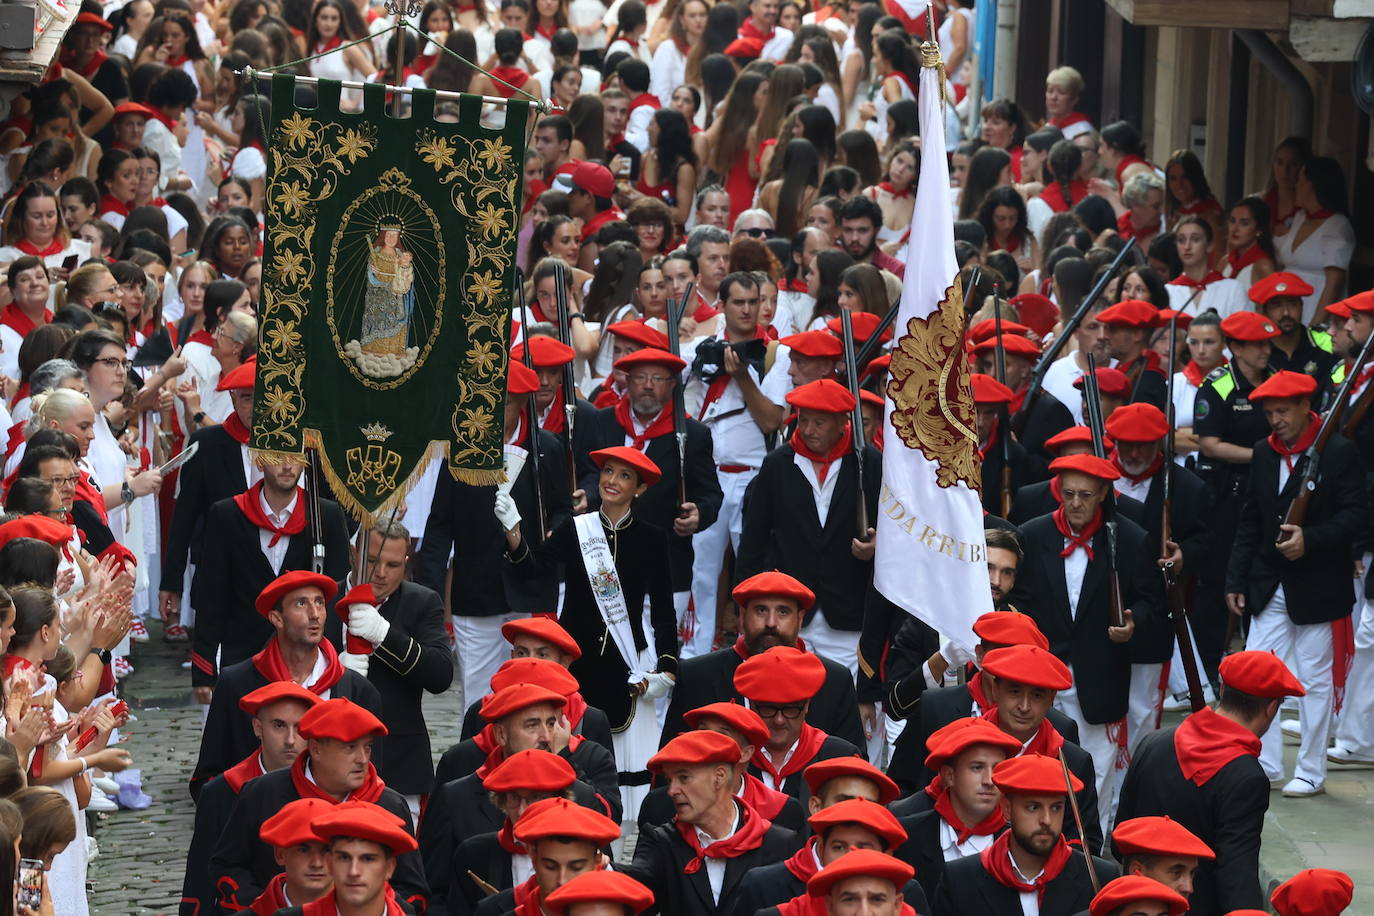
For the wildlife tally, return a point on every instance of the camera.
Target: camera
(709, 361)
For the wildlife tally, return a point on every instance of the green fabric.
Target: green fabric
(374, 346)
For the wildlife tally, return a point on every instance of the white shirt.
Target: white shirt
(766, 776)
(276, 554)
(953, 849)
(715, 868)
(1185, 396)
(735, 437)
(1331, 245)
(1030, 901)
(521, 868)
(1059, 379)
(821, 491)
(667, 70)
(1129, 487)
(1075, 566)
(1225, 296)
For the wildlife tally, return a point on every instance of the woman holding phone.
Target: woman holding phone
(35, 227)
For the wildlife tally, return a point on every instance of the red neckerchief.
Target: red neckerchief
(110, 204)
(793, 286)
(1289, 452)
(808, 746)
(554, 420)
(527, 898)
(505, 838)
(1236, 261)
(992, 439)
(1124, 227)
(1206, 205)
(54, 247)
(1318, 214)
(328, 906)
(643, 99)
(513, 75)
(1053, 195)
(89, 70)
(88, 492)
(841, 448)
(1148, 473)
(887, 186)
(1047, 740)
(996, 861)
(975, 690)
(607, 396)
(1125, 164)
(1185, 280)
(662, 425)
(272, 899)
(330, 45)
(986, 827)
(1207, 741)
(545, 30)
(714, 390)
(16, 437)
(234, 427)
(596, 222)
(250, 505)
(13, 317)
(176, 62)
(202, 337)
(747, 29)
(1084, 538)
(802, 863)
(1069, 120)
(1147, 361)
(749, 836)
(171, 124)
(369, 791)
(272, 665)
(248, 768)
(767, 802)
(14, 661)
(1194, 374)
(1012, 244)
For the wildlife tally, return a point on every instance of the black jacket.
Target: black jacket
(795, 785)
(657, 809)
(198, 897)
(594, 764)
(1023, 472)
(215, 473)
(480, 856)
(765, 888)
(968, 890)
(1037, 499)
(1047, 418)
(922, 849)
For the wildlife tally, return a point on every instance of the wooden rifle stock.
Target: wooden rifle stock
(1078, 822)
(1178, 615)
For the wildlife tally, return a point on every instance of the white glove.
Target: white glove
(366, 622)
(355, 663)
(506, 513)
(956, 655)
(657, 684)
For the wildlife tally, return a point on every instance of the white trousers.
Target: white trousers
(481, 650)
(1310, 648)
(708, 548)
(1355, 730)
(1178, 680)
(633, 748)
(1098, 741)
(1147, 696)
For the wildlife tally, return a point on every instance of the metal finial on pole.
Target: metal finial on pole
(401, 10)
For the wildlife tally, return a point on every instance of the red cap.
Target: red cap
(293, 825)
(1037, 311)
(541, 672)
(1260, 674)
(650, 356)
(562, 817)
(362, 820)
(133, 108)
(594, 178)
(93, 19)
(521, 379)
(987, 328)
(544, 629)
(516, 697)
(1161, 836)
(740, 718)
(877, 365)
(822, 771)
(869, 815)
(1339, 309)
(744, 47)
(1033, 774)
(814, 343)
(1314, 892)
(1285, 384)
(860, 863)
(698, 748)
(545, 352)
(868, 397)
(773, 584)
(1361, 302)
(600, 887)
(1013, 345)
(975, 731)
(1111, 382)
(1133, 313)
(641, 333)
(275, 692)
(1030, 665)
(1009, 628)
(642, 464)
(289, 582)
(987, 390)
(1128, 889)
(1248, 326)
(1181, 320)
(1074, 435)
(1279, 285)
(780, 675)
(340, 719)
(39, 527)
(823, 394)
(530, 770)
(1091, 465)
(863, 323)
(1138, 422)
(239, 378)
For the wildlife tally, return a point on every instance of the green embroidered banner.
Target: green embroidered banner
(388, 268)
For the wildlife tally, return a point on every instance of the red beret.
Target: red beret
(530, 770)
(1074, 435)
(1260, 674)
(275, 692)
(600, 887)
(744, 47)
(362, 820)
(650, 356)
(1135, 888)
(1032, 774)
(740, 718)
(521, 379)
(93, 19)
(1111, 382)
(780, 675)
(987, 390)
(545, 352)
(1285, 384)
(1339, 309)
(1248, 913)
(641, 333)
(340, 719)
(773, 584)
(516, 697)
(877, 365)
(545, 629)
(870, 815)
(289, 582)
(868, 397)
(863, 323)
(293, 825)
(1248, 326)
(1314, 892)
(1162, 836)
(1028, 665)
(562, 817)
(1282, 284)
(698, 748)
(239, 378)
(860, 863)
(814, 343)
(133, 108)
(823, 394)
(1091, 465)
(1361, 302)
(1138, 422)
(39, 527)
(1037, 311)
(988, 328)
(1009, 628)
(1013, 345)
(821, 772)
(1181, 320)
(972, 732)
(1133, 313)
(541, 672)
(641, 463)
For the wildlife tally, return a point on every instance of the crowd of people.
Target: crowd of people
(769, 732)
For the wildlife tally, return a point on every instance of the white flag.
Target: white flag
(930, 557)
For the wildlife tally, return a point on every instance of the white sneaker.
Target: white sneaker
(1302, 788)
(1291, 728)
(1339, 754)
(105, 784)
(1177, 702)
(92, 848)
(101, 803)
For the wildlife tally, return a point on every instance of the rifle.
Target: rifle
(1357, 413)
(1094, 411)
(856, 419)
(1307, 477)
(531, 411)
(875, 340)
(569, 390)
(1078, 821)
(675, 314)
(1047, 359)
(1003, 416)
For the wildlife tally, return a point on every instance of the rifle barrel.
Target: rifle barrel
(856, 419)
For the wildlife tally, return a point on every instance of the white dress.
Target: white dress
(1331, 245)
(335, 67)
(878, 126)
(667, 70)
(1224, 296)
(67, 879)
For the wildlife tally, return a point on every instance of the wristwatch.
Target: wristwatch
(102, 654)
(198, 417)
(126, 492)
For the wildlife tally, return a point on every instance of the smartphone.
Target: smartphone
(31, 883)
(624, 168)
(70, 262)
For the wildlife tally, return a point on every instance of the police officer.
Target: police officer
(1298, 348)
